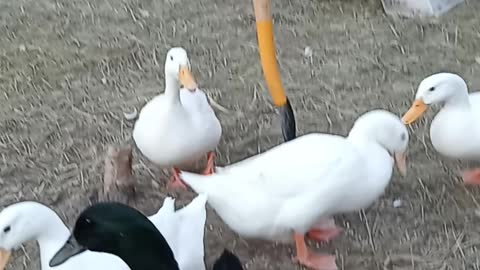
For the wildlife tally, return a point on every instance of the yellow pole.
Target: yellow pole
(266, 46)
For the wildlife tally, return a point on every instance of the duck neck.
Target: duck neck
(460, 99)
(357, 136)
(51, 237)
(148, 253)
(365, 140)
(172, 89)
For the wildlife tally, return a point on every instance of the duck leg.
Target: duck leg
(324, 230)
(471, 177)
(175, 180)
(210, 169)
(311, 260)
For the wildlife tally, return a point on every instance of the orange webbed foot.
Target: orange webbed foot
(323, 235)
(311, 260)
(324, 230)
(471, 177)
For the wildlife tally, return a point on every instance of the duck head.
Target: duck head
(22, 222)
(440, 88)
(7, 242)
(388, 131)
(177, 65)
(120, 230)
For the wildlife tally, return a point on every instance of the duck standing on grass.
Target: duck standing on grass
(178, 126)
(275, 196)
(123, 231)
(26, 221)
(455, 130)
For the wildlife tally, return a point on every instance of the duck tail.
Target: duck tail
(196, 208)
(189, 234)
(227, 261)
(197, 203)
(167, 209)
(199, 183)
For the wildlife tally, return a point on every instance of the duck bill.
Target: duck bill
(186, 79)
(68, 250)
(417, 109)
(4, 257)
(401, 161)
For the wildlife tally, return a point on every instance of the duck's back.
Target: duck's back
(286, 187)
(308, 151)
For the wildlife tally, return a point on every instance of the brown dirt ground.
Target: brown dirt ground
(70, 68)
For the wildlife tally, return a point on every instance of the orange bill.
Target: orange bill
(401, 161)
(186, 79)
(416, 110)
(4, 257)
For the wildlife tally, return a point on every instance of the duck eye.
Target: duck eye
(171, 58)
(7, 229)
(431, 89)
(403, 137)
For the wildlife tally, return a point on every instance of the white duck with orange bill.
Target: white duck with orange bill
(178, 126)
(455, 130)
(282, 193)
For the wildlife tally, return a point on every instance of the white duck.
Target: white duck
(27, 221)
(286, 190)
(455, 130)
(178, 126)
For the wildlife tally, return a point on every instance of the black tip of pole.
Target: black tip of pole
(288, 122)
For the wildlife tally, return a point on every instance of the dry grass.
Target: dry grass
(70, 69)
